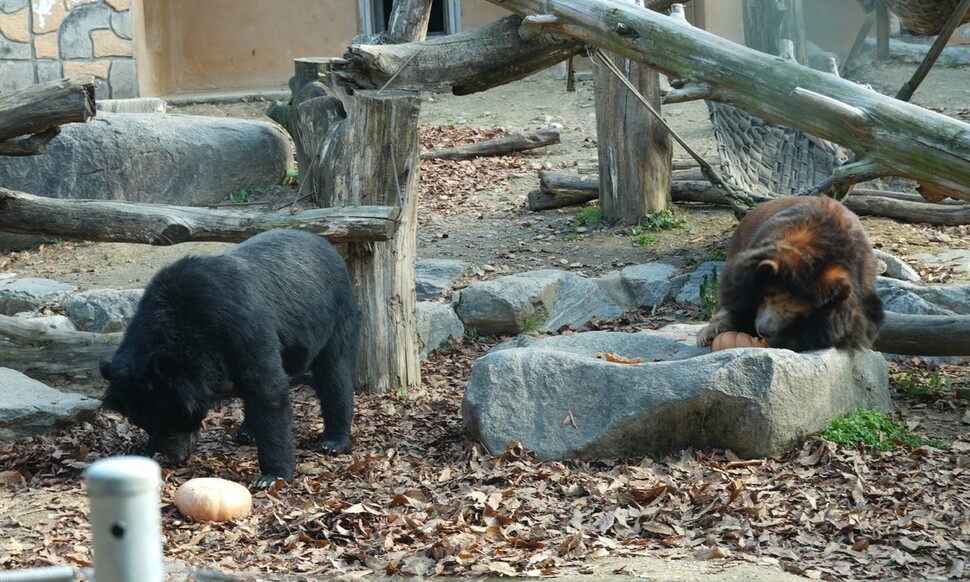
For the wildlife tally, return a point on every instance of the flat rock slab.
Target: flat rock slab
(29, 407)
(184, 160)
(561, 401)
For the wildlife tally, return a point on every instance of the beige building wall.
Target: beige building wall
(475, 13)
(189, 45)
(219, 45)
(720, 17)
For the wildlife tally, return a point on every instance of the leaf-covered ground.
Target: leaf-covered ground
(414, 498)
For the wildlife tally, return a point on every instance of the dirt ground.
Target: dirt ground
(491, 229)
(506, 237)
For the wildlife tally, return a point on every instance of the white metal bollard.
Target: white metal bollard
(125, 519)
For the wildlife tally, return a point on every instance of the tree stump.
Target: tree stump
(371, 157)
(635, 150)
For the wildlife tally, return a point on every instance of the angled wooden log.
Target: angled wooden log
(157, 224)
(890, 137)
(463, 63)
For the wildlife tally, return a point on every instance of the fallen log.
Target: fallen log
(924, 335)
(890, 137)
(38, 108)
(157, 224)
(33, 346)
(558, 190)
(507, 144)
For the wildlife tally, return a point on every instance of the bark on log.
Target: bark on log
(32, 346)
(513, 142)
(890, 137)
(924, 335)
(371, 157)
(38, 108)
(463, 63)
(156, 224)
(29, 146)
(635, 150)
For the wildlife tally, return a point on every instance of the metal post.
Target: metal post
(125, 519)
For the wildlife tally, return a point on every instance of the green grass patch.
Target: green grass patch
(244, 195)
(664, 219)
(874, 431)
(922, 384)
(591, 216)
(709, 288)
(644, 239)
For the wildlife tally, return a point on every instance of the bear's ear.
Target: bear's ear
(768, 267)
(836, 285)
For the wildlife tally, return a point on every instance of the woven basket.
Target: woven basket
(924, 17)
(771, 160)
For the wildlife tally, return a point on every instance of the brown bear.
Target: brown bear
(800, 273)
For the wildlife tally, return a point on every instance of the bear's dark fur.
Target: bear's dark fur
(800, 272)
(241, 323)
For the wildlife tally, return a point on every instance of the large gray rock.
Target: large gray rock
(102, 310)
(170, 159)
(538, 301)
(649, 284)
(437, 323)
(432, 277)
(903, 297)
(28, 293)
(137, 105)
(28, 407)
(690, 290)
(559, 400)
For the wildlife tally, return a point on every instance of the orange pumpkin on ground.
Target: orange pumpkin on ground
(212, 499)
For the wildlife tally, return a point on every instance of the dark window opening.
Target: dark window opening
(436, 25)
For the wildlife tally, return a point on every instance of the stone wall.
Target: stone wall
(43, 40)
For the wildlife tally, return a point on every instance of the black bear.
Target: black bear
(241, 323)
(800, 273)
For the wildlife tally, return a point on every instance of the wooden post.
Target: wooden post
(409, 20)
(373, 159)
(882, 30)
(635, 151)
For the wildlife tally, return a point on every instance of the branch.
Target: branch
(156, 224)
(513, 142)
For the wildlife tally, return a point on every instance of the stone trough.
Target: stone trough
(558, 399)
